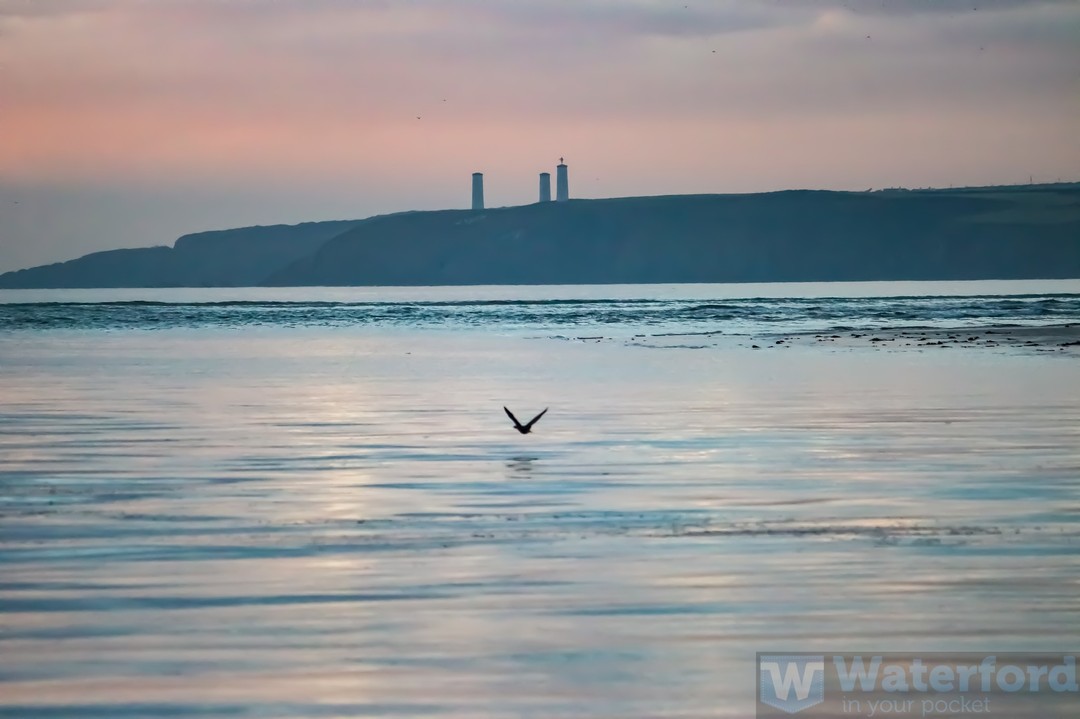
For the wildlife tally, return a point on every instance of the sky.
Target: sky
(127, 123)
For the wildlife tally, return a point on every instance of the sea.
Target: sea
(309, 502)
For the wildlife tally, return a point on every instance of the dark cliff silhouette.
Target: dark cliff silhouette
(220, 258)
(972, 233)
(784, 236)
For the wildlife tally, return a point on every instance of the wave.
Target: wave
(663, 315)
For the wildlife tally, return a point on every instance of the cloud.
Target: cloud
(282, 56)
(642, 18)
(46, 8)
(902, 8)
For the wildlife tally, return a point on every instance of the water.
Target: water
(291, 509)
(741, 309)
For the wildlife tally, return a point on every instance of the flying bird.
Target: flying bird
(524, 429)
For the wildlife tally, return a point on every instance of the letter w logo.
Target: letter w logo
(791, 683)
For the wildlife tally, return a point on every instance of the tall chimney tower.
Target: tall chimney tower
(562, 185)
(478, 190)
(545, 187)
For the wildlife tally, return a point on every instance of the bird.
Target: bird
(524, 429)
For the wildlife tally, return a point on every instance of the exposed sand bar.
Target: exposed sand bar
(1047, 338)
(1059, 338)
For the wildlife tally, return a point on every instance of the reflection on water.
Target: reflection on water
(318, 523)
(520, 465)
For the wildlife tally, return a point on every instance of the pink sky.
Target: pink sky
(130, 122)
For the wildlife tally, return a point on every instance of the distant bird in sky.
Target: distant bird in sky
(524, 429)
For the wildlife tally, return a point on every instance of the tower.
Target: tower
(478, 190)
(562, 185)
(545, 187)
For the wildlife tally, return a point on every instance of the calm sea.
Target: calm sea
(309, 503)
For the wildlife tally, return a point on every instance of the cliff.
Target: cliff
(774, 237)
(972, 233)
(220, 258)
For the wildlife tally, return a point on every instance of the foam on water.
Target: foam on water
(663, 309)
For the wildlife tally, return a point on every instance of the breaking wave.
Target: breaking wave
(664, 315)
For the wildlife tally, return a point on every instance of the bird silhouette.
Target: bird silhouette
(524, 428)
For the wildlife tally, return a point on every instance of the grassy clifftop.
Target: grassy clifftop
(783, 236)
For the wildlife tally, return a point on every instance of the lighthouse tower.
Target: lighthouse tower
(562, 185)
(478, 190)
(545, 187)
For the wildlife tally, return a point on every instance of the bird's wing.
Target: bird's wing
(535, 419)
(512, 417)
